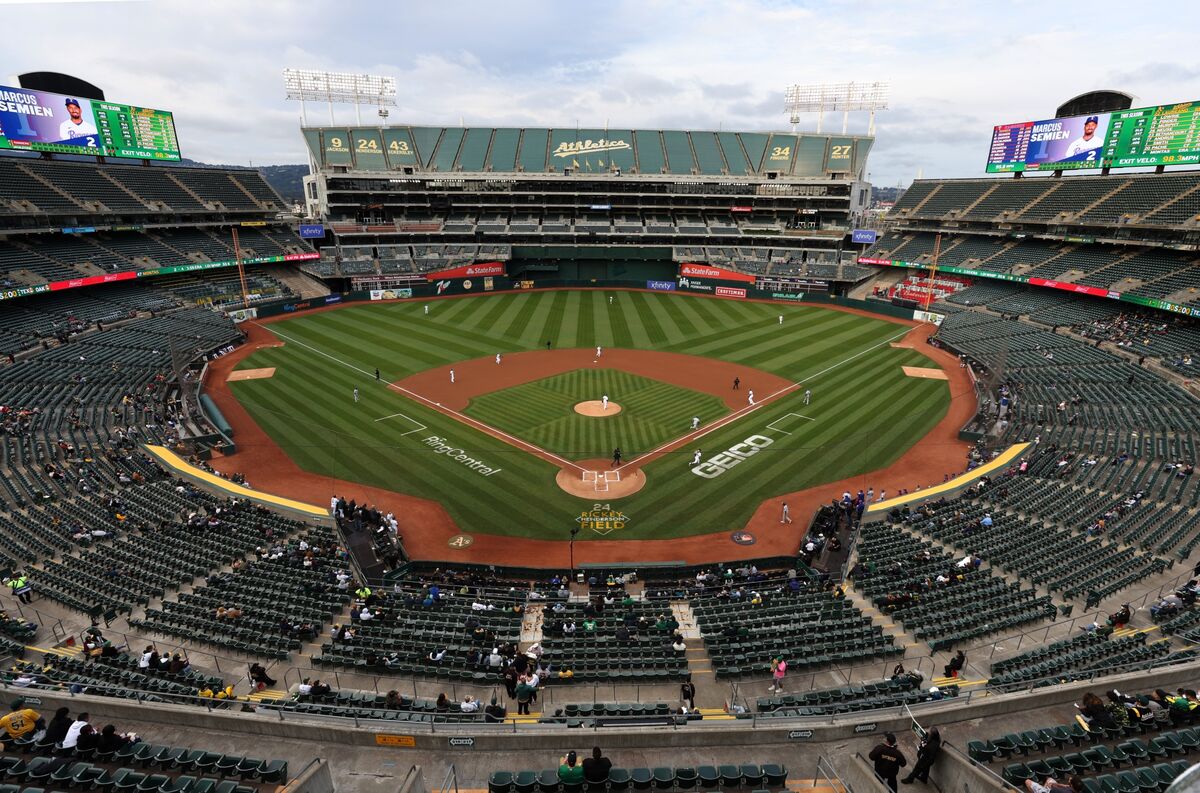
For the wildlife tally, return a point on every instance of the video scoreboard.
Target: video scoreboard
(43, 121)
(1149, 136)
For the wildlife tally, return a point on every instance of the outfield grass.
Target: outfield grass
(865, 411)
(543, 413)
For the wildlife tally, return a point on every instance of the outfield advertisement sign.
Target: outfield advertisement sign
(864, 236)
(661, 286)
(95, 280)
(692, 270)
(312, 231)
(695, 284)
(787, 296)
(469, 271)
(391, 294)
(1079, 289)
(729, 291)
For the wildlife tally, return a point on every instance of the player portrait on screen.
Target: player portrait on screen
(77, 124)
(1089, 140)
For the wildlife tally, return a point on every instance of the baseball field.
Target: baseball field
(524, 447)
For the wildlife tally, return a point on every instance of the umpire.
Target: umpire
(888, 760)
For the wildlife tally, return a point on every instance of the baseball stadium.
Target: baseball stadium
(596, 458)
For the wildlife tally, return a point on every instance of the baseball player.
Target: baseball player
(426, 309)
(356, 395)
(696, 458)
(781, 319)
(786, 517)
(807, 396)
(616, 456)
(376, 374)
(610, 297)
(451, 376)
(497, 359)
(599, 350)
(695, 422)
(750, 394)
(604, 402)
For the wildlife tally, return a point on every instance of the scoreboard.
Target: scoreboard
(140, 132)
(1150, 136)
(43, 121)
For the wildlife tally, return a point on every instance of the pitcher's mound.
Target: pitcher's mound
(599, 480)
(596, 408)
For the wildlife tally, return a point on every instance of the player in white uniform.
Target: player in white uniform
(76, 126)
(604, 402)
(695, 422)
(807, 396)
(750, 395)
(696, 458)
(1088, 141)
(497, 359)
(356, 395)
(599, 350)
(451, 375)
(786, 517)
(781, 319)
(426, 310)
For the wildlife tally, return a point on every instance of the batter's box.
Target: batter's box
(788, 423)
(601, 479)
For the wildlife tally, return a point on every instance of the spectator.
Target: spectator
(1051, 785)
(569, 770)
(596, 767)
(1093, 715)
(110, 741)
(687, 693)
(927, 754)
(469, 705)
(21, 721)
(524, 694)
(72, 737)
(494, 713)
(56, 730)
(956, 664)
(443, 703)
(392, 701)
(888, 760)
(778, 671)
(260, 677)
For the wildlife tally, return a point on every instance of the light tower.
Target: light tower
(820, 97)
(376, 91)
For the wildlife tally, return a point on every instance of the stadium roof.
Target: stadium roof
(466, 150)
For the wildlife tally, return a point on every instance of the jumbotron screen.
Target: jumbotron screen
(1148, 136)
(43, 121)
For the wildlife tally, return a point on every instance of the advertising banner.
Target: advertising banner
(694, 270)
(729, 291)
(661, 286)
(695, 284)
(312, 231)
(928, 316)
(391, 294)
(468, 271)
(240, 315)
(864, 236)
(44, 121)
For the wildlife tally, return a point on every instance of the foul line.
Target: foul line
(479, 425)
(746, 411)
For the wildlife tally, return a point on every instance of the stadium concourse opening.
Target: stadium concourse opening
(545, 263)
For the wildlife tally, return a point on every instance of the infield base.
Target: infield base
(599, 480)
(595, 408)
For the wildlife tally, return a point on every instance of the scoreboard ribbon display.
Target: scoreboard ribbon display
(43, 121)
(1148, 136)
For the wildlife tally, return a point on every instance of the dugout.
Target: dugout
(591, 263)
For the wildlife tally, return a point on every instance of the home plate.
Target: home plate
(250, 374)
(927, 374)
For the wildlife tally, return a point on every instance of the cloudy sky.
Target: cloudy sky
(956, 68)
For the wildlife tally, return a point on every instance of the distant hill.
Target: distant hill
(286, 179)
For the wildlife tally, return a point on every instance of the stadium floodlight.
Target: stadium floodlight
(342, 87)
(820, 97)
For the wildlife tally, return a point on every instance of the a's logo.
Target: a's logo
(589, 146)
(442, 286)
(720, 463)
(467, 284)
(602, 519)
(743, 538)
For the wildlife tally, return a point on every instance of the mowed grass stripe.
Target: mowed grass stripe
(644, 333)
